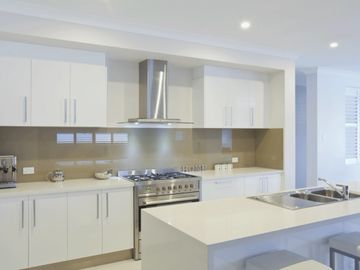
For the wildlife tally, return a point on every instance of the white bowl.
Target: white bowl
(102, 175)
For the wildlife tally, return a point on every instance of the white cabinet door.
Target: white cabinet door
(15, 90)
(117, 212)
(274, 183)
(50, 93)
(216, 109)
(253, 185)
(88, 95)
(84, 224)
(221, 188)
(267, 183)
(47, 229)
(14, 233)
(256, 104)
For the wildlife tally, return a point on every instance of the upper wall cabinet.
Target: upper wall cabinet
(50, 93)
(65, 94)
(237, 98)
(88, 95)
(15, 89)
(223, 98)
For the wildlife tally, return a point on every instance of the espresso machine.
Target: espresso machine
(7, 171)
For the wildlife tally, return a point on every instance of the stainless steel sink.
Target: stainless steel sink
(333, 194)
(314, 198)
(303, 198)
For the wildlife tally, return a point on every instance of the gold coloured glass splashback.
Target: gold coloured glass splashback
(82, 151)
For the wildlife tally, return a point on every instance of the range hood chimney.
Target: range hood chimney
(153, 88)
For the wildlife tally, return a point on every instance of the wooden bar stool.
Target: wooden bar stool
(282, 260)
(347, 244)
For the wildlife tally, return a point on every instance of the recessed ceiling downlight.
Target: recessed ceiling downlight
(245, 25)
(334, 45)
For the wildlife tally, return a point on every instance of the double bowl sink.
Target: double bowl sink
(304, 198)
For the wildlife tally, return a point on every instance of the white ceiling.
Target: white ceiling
(301, 29)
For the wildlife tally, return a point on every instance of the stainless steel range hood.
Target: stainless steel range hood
(153, 87)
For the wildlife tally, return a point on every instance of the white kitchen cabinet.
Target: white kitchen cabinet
(117, 215)
(68, 94)
(50, 101)
(47, 229)
(84, 224)
(15, 90)
(14, 233)
(88, 95)
(258, 184)
(221, 188)
(222, 99)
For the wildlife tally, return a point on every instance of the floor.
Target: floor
(124, 265)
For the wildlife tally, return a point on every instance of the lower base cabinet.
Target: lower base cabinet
(254, 185)
(84, 224)
(221, 188)
(117, 220)
(240, 186)
(14, 233)
(47, 229)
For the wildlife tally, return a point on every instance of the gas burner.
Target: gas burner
(154, 175)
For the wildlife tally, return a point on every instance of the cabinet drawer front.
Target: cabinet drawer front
(221, 188)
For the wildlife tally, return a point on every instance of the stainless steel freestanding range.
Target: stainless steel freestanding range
(154, 188)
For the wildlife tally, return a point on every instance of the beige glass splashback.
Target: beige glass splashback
(82, 151)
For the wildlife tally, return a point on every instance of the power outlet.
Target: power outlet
(28, 170)
(235, 160)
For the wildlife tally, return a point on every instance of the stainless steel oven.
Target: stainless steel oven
(155, 188)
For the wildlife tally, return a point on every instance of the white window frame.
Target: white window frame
(353, 91)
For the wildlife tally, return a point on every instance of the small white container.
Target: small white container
(229, 166)
(224, 167)
(218, 167)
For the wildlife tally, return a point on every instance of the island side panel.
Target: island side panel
(165, 248)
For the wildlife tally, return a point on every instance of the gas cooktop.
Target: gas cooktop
(153, 175)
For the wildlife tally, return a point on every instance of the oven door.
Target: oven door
(156, 201)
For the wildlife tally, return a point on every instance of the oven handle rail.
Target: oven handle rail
(147, 201)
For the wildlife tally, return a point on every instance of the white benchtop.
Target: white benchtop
(236, 172)
(71, 185)
(219, 221)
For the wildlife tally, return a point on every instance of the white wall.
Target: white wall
(331, 125)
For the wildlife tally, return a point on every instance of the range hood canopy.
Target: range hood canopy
(153, 88)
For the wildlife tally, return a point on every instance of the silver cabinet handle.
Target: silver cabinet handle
(34, 213)
(65, 110)
(25, 110)
(22, 213)
(75, 111)
(252, 116)
(231, 116)
(107, 204)
(225, 117)
(97, 206)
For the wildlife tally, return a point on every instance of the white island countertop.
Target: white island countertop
(71, 185)
(236, 172)
(219, 221)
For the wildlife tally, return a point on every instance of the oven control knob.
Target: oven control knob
(191, 185)
(163, 188)
(180, 186)
(169, 187)
(186, 186)
(174, 187)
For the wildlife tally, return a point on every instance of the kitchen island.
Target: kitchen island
(221, 234)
